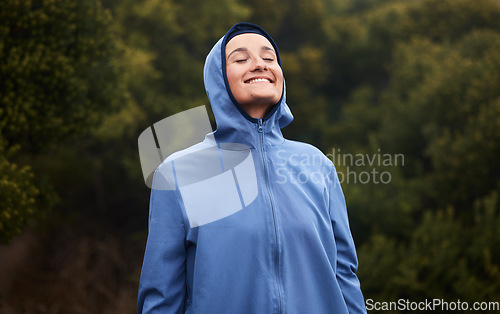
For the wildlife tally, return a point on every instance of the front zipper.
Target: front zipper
(260, 129)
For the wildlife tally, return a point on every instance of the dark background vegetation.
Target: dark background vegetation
(80, 80)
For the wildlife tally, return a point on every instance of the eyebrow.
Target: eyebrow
(242, 49)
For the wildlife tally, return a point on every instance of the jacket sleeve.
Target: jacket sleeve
(162, 286)
(347, 262)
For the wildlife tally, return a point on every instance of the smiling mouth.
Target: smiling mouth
(257, 80)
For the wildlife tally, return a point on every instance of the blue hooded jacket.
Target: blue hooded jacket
(286, 248)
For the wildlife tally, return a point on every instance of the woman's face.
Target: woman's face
(254, 75)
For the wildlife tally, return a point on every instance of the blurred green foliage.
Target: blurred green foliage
(17, 196)
(58, 77)
(417, 78)
(423, 81)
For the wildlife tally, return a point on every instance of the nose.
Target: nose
(259, 65)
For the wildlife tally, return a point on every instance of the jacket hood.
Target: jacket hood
(234, 125)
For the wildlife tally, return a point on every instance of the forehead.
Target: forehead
(247, 40)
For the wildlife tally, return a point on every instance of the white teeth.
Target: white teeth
(259, 80)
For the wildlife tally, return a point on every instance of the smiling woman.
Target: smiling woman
(285, 245)
(253, 73)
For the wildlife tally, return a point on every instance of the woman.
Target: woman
(288, 247)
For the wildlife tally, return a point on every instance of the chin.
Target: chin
(259, 103)
(263, 99)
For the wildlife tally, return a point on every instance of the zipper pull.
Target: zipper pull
(260, 129)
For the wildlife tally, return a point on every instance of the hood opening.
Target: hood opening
(243, 28)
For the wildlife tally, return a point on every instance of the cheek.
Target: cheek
(232, 78)
(229, 74)
(279, 80)
(279, 74)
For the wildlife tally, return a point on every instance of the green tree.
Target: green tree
(423, 82)
(17, 196)
(58, 78)
(444, 258)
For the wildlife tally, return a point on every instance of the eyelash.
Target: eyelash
(243, 60)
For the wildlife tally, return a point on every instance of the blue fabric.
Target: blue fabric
(289, 251)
